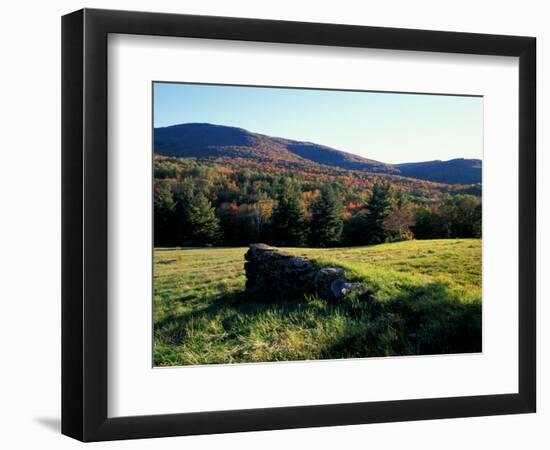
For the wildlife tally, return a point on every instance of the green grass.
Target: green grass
(422, 297)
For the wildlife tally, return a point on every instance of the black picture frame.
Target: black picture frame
(84, 224)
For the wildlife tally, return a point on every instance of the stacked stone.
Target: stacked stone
(273, 273)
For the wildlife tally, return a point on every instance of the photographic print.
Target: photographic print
(295, 224)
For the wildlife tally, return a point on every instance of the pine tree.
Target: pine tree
(165, 217)
(288, 221)
(378, 209)
(182, 194)
(326, 219)
(203, 225)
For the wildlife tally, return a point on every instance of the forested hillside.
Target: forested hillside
(206, 203)
(225, 144)
(465, 171)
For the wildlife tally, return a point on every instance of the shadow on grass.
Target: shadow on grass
(419, 320)
(239, 304)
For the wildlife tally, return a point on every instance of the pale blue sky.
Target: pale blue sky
(387, 127)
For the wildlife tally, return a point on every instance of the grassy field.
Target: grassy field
(423, 297)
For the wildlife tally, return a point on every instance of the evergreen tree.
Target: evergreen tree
(165, 217)
(379, 207)
(327, 221)
(354, 229)
(288, 221)
(182, 194)
(202, 224)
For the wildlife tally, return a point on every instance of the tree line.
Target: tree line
(208, 207)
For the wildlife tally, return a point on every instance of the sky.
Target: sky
(384, 126)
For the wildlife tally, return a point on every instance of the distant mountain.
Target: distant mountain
(202, 140)
(454, 171)
(218, 142)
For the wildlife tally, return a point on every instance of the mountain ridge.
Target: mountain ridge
(211, 141)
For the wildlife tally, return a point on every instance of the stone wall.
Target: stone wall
(272, 272)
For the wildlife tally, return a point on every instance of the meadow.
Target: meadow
(422, 297)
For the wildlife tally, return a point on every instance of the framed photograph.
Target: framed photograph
(273, 224)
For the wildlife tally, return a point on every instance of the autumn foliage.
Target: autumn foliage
(201, 202)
